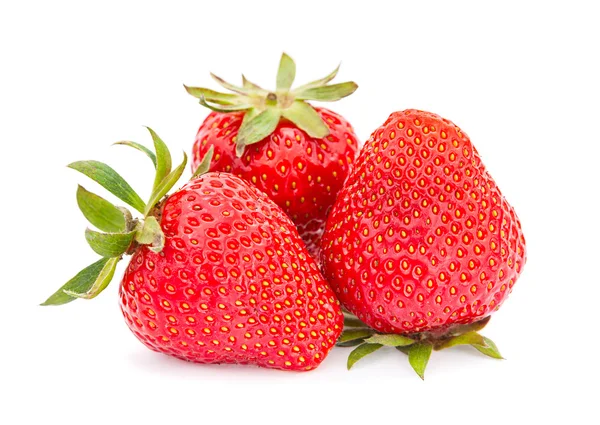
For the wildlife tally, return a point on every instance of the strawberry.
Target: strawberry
(218, 272)
(421, 245)
(299, 155)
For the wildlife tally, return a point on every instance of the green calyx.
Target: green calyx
(418, 346)
(263, 109)
(118, 232)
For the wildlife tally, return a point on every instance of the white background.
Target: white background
(521, 78)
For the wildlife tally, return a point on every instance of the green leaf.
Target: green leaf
(468, 338)
(213, 96)
(128, 218)
(418, 357)
(109, 244)
(390, 340)
(229, 86)
(328, 93)
(99, 284)
(79, 283)
(111, 181)
(166, 185)
(226, 108)
(205, 163)
(140, 148)
(489, 349)
(404, 349)
(360, 352)
(150, 233)
(286, 73)
(352, 343)
(249, 115)
(257, 128)
(99, 212)
(253, 87)
(163, 159)
(320, 82)
(307, 119)
(352, 334)
(351, 321)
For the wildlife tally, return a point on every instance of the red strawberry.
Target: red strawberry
(218, 275)
(421, 241)
(300, 155)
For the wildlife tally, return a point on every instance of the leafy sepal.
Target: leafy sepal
(330, 93)
(112, 181)
(205, 163)
(351, 321)
(150, 233)
(213, 96)
(354, 334)
(225, 108)
(257, 128)
(165, 185)
(320, 82)
(263, 109)
(417, 346)
(360, 352)
(140, 148)
(390, 340)
(163, 159)
(489, 349)
(99, 284)
(109, 244)
(307, 119)
(95, 275)
(100, 212)
(286, 73)
(418, 357)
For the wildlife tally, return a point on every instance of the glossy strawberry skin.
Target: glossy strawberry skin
(233, 284)
(301, 174)
(420, 236)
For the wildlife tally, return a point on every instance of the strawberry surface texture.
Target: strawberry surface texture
(296, 153)
(302, 174)
(420, 237)
(233, 283)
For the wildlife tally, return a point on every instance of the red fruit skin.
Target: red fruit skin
(301, 174)
(420, 236)
(233, 284)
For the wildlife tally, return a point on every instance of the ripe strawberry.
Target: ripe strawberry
(420, 241)
(218, 275)
(300, 155)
